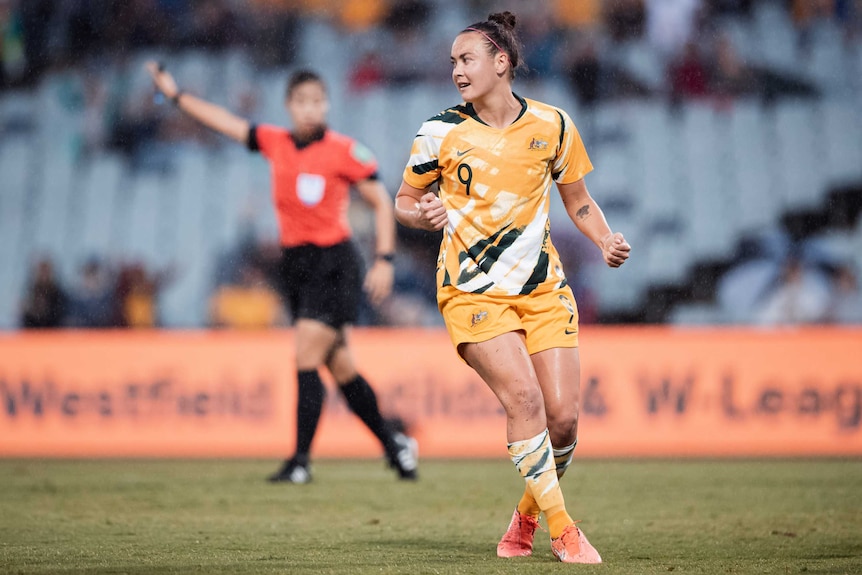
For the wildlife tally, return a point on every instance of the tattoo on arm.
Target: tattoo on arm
(583, 212)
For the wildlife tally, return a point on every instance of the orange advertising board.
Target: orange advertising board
(650, 391)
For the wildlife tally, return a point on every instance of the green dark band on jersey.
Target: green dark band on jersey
(493, 253)
(539, 275)
(425, 168)
(562, 128)
(540, 270)
(465, 276)
(471, 111)
(474, 252)
(487, 252)
(556, 174)
(451, 116)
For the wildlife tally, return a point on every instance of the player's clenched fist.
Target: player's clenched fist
(431, 213)
(615, 249)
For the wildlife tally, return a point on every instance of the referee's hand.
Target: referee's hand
(163, 79)
(378, 281)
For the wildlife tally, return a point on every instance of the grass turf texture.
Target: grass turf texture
(222, 517)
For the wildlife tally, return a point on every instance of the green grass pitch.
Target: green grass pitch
(220, 516)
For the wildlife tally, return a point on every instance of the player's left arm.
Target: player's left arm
(590, 220)
(378, 281)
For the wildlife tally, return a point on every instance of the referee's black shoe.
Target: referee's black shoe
(292, 471)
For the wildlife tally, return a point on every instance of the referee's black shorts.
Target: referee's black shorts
(322, 283)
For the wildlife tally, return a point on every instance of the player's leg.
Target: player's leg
(558, 371)
(360, 396)
(550, 321)
(489, 336)
(550, 327)
(504, 364)
(313, 342)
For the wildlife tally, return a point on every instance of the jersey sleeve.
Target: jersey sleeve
(360, 163)
(423, 167)
(572, 162)
(261, 138)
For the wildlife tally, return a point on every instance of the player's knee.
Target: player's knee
(524, 403)
(563, 428)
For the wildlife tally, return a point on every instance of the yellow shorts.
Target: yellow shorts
(548, 319)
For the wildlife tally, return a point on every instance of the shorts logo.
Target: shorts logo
(538, 144)
(571, 309)
(478, 318)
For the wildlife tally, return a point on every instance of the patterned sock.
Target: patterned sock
(534, 459)
(363, 402)
(308, 408)
(562, 459)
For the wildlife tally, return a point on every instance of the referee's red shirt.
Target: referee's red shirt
(311, 184)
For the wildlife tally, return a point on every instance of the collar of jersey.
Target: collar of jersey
(468, 107)
(315, 137)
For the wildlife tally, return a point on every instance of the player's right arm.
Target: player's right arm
(209, 114)
(420, 209)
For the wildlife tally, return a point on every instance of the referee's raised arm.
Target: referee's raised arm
(209, 114)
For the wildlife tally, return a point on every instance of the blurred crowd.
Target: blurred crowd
(776, 282)
(102, 296)
(779, 281)
(578, 41)
(389, 43)
(245, 294)
(566, 38)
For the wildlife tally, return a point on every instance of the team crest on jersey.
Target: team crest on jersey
(567, 304)
(478, 318)
(538, 144)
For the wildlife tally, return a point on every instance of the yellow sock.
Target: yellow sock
(557, 522)
(527, 505)
(562, 459)
(534, 459)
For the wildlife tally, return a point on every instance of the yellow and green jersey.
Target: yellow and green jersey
(496, 185)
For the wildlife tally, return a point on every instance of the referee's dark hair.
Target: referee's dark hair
(301, 77)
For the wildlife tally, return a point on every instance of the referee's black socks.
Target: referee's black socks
(363, 401)
(308, 408)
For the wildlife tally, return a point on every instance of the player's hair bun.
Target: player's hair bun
(505, 19)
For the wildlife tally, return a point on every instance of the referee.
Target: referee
(320, 275)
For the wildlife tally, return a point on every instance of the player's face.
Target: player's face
(308, 106)
(475, 72)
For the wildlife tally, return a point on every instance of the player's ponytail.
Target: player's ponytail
(499, 31)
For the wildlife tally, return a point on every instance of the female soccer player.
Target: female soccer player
(312, 170)
(501, 287)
